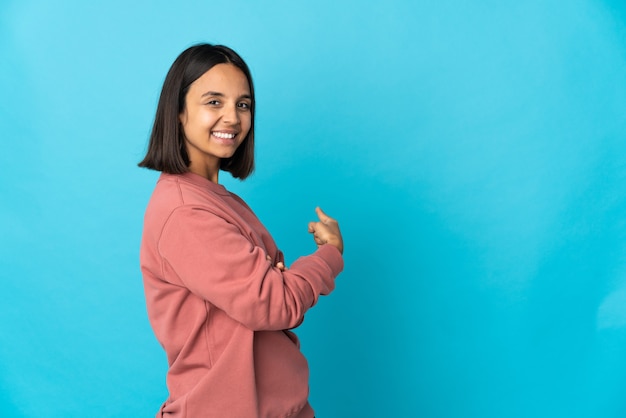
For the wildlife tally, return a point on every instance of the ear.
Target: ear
(182, 116)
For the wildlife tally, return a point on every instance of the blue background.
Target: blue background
(474, 153)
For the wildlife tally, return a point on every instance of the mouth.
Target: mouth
(223, 135)
(228, 139)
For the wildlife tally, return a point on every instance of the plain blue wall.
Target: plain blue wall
(474, 152)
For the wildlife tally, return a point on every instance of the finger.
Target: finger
(323, 217)
(312, 227)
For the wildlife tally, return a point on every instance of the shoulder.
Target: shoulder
(174, 193)
(187, 189)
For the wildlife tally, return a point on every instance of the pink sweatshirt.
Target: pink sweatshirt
(220, 308)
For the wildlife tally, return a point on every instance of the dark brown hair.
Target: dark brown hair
(166, 149)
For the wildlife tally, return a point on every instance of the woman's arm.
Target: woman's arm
(214, 260)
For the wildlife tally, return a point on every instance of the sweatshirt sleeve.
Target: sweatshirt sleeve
(216, 261)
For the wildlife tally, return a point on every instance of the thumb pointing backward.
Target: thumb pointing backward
(320, 214)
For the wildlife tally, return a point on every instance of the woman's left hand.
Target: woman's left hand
(280, 265)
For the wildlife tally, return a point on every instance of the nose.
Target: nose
(231, 115)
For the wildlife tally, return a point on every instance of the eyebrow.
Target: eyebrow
(218, 94)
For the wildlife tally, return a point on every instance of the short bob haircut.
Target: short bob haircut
(166, 149)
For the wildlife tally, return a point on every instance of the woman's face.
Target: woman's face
(216, 118)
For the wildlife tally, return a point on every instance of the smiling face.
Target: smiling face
(216, 118)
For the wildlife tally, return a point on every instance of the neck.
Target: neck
(210, 173)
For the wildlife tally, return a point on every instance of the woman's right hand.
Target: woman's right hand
(326, 231)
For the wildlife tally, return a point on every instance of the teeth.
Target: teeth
(224, 135)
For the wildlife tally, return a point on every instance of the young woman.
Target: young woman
(219, 298)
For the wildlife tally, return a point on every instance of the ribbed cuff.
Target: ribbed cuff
(332, 256)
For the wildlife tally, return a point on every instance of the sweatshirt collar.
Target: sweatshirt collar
(197, 180)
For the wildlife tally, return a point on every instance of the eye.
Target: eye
(213, 102)
(243, 106)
